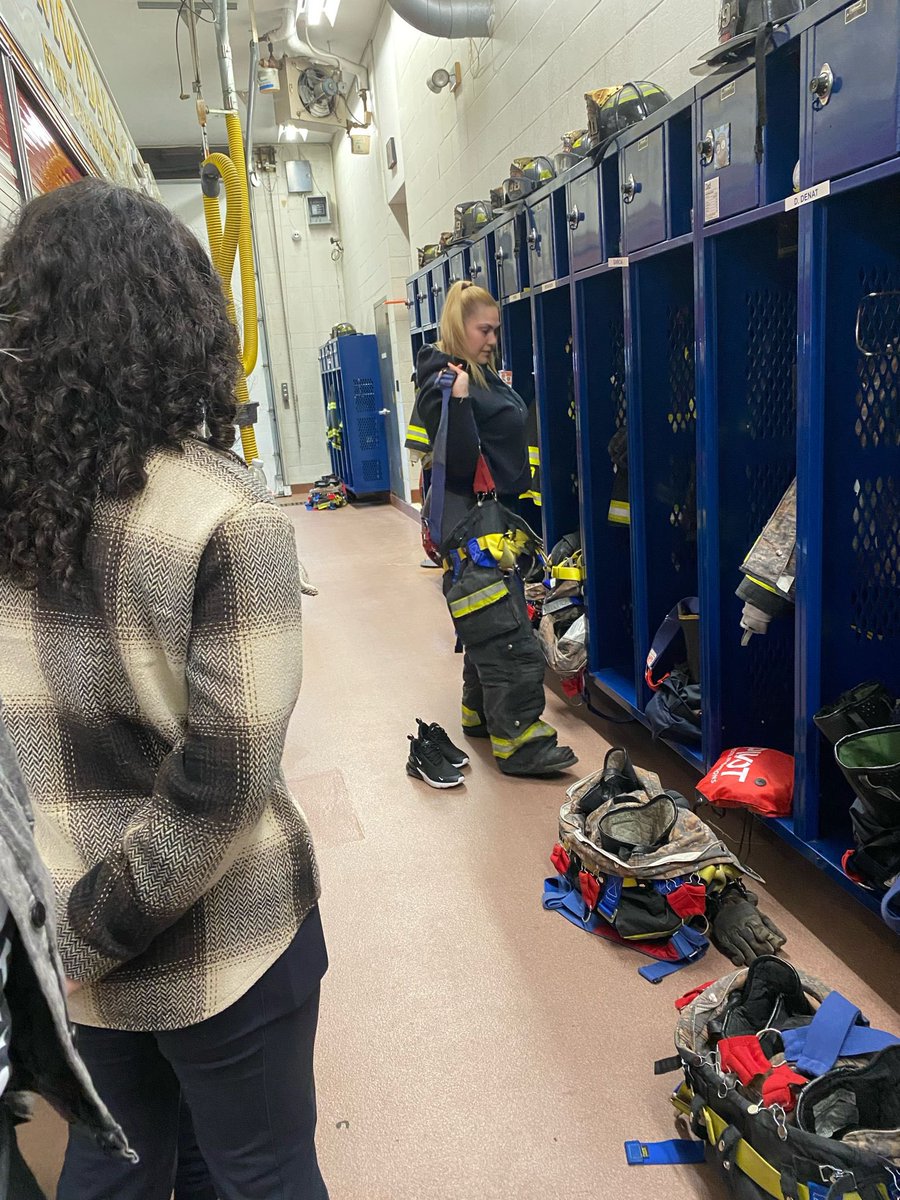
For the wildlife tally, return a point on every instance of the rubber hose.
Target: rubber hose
(225, 245)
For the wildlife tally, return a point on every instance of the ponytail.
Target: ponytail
(462, 300)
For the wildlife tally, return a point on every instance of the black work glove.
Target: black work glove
(740, 931)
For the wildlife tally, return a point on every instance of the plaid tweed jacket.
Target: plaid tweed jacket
(149, 717)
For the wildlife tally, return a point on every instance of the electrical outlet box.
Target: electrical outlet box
(299, 175)
(360, 143)
(318, 210)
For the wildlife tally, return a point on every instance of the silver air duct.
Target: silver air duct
(447, 18)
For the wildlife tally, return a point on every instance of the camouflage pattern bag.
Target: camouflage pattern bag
(792, 1091)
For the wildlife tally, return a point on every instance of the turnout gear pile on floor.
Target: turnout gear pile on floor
(636, 866)
(770, 569)
(789, 1089)
(327, 493)
(864, 727)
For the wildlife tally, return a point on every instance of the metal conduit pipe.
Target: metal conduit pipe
(448, 18)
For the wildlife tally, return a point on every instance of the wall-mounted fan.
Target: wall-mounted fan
(318, 91)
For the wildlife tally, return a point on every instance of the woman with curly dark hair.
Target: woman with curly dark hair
(149, 663)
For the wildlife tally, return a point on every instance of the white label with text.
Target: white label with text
(808, 195)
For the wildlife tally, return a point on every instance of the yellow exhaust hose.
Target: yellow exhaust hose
(225, 244)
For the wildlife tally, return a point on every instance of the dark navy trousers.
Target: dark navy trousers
(242, 1081)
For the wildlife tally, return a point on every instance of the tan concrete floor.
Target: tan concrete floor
(472, 1045)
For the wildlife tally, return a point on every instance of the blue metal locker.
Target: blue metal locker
(355, 412)
(643, 166)
(853, 65)
(583, 218)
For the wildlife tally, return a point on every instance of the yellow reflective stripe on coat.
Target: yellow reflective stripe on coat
(534, 456)
(620, 512)
(415, 433)
(467, 605)
(507, 747)
(470, 718)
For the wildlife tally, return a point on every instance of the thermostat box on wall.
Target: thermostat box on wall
(318, 210)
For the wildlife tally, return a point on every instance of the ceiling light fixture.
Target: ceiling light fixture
(314, 11)
(331, 10)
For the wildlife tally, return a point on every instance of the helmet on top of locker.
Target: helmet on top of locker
(739, 21)
(612, 109)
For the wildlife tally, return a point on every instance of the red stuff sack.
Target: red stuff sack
(753, 778)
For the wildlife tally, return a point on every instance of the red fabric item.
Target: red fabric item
(484, 480)
(590, 889)
(846, 866)
(690, 997)
(574, 686)
(688, 901)
(743, 1056)
(663, 951)
(778, 1088)
(753, 778)
(559, 856)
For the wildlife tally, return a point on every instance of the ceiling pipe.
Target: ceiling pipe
(289, 42)
(448, 18)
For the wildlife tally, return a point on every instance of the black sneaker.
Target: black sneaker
(426, 762)
(434, 733)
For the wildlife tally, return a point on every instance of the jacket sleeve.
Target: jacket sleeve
(463, 447)
(244, 667)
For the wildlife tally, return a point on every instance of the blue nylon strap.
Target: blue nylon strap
(608, 904)
(561, 897)
(658, 971)
(826, 1034)
(691, 947)
(439, 464)
(665, 887)
(860, 1041)
(890, 906)
(664, 1154)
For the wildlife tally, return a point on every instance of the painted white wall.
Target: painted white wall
(303, 291)
(521, 90)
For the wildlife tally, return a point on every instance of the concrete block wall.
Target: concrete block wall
(521, 90)
(303, 291)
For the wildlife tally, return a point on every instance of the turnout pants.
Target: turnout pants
(503, 668)
(246, 1075)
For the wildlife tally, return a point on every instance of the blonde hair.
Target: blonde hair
(462, 301)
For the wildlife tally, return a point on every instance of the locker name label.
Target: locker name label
(808, 196)
(619, 262)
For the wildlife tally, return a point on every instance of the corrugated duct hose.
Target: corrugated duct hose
(225, 244)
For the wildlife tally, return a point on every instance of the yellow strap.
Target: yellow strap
(754, 1166)
(467, 605)
(507, 747)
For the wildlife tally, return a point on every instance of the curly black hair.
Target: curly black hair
(114, 341)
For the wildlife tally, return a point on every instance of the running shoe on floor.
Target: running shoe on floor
(435, 733)
(426, 762)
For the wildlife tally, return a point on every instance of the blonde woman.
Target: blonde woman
(503, 675)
